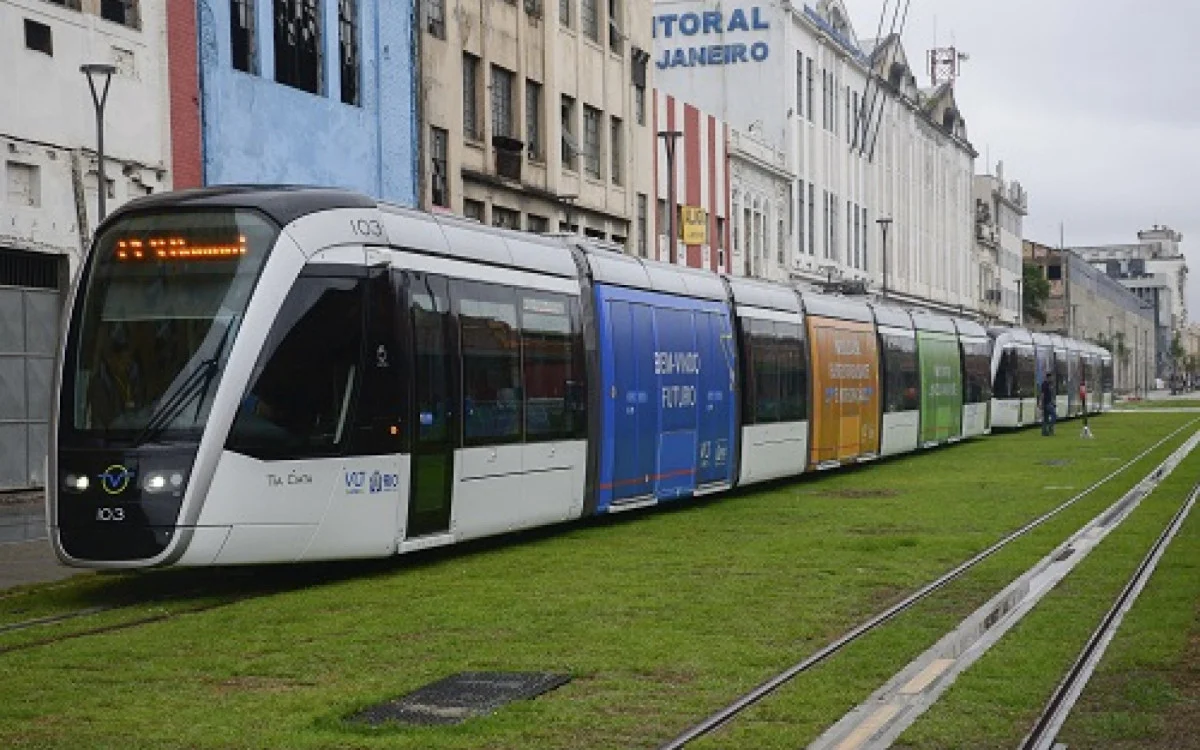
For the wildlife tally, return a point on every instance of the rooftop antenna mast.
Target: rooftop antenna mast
(944, 64)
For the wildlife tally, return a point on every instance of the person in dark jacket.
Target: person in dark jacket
(1048, 408)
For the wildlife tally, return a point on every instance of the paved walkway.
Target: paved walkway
(25, 554)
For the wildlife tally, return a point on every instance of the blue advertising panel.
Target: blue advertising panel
(668, 378)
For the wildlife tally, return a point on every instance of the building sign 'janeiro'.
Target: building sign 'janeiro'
(671, 25)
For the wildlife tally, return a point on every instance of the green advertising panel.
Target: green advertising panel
(941, 386)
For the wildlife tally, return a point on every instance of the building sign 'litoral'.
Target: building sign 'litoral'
(690, 25)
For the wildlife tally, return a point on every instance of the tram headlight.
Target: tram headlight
(167, 480)
(76, 482)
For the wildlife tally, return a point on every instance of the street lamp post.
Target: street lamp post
(669, 137)
(884, 222)
(105, 70)
(1146, 362)
(1020, 306)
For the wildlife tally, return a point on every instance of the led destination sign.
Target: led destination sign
(672, 25)
(165, 248)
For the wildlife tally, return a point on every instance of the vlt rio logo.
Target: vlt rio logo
(116, 479)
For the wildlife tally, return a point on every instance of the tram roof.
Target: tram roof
(619, 269)
(893, 317)
(1002, 335)
(834, 306)
(283, 203)
(763, 294)
(969, 328)
(924, 321)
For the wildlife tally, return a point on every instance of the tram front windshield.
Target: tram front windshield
(161, 307)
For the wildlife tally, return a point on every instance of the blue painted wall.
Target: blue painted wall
(258, 131)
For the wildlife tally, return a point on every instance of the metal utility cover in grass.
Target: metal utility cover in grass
(455, 699)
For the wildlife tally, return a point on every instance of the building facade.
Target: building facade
(1086, 303)
(538, 116)
(927, 167)
(50, 170)
(295, 91)
(1155, 269)
(1191, 356)
(48, 117)
(700, 167)
(860, 142)
(1000, 209)
(761, 188)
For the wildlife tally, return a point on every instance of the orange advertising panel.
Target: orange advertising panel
(845, 397)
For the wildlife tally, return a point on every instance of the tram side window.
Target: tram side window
(765, 359)
(1006, 375)
(976, 363)
(552, 345)
(793, 375)
(382, 399)
(1060, 374)
(302, 388)
(491, 362)
(1025, 386)
(1043, 364)
(432, 387)
(746, 360)
(900, 391)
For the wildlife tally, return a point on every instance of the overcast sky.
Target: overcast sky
(1092, 105)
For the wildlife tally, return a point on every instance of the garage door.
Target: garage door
(29, 320)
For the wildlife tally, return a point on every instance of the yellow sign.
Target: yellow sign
(695, 225)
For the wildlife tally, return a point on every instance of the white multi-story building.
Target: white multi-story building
(48, 118)
(537, 116)
(860, 142)
(1000, 208)
(49, 172)
(1155, 269)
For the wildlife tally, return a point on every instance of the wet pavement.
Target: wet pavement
(25, 553)
(22, 521)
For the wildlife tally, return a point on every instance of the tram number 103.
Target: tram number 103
(110, 514)
(367, 227)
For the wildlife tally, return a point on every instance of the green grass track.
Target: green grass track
(660, 617)
(995, 704)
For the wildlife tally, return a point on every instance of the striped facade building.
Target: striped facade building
(702, 181)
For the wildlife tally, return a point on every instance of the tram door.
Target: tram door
(434, 417)
(635, 410)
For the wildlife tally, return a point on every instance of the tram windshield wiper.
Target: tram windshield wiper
(195, 384)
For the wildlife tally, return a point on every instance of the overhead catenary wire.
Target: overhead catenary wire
(894, 34)
(876, 90)
(860, 118)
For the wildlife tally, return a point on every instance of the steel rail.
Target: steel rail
(1045, 729)
(731, 711)
(52, 619)
(124, 625)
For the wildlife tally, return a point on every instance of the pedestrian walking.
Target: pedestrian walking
(1087, 431)
(1047, 399)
